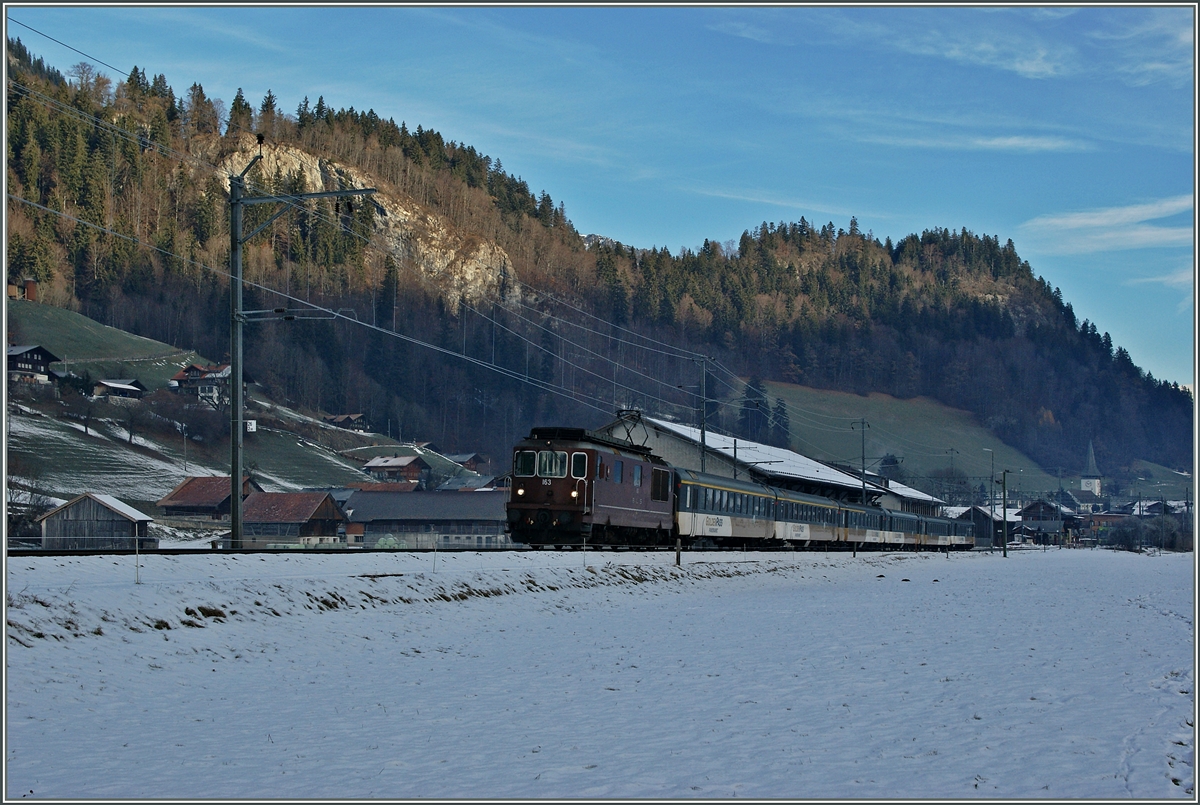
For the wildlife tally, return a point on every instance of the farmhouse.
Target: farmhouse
(205, 496)
(96, 522)
(301, 518)
(398, 468)
(208, 384)
(30, 364)
(356, 422)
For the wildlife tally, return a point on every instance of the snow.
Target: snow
(1047, 674)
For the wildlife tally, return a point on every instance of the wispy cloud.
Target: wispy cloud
(1111, 228)
(1157, 47)
(1183, 279)
(745, 30)
(1020, 143)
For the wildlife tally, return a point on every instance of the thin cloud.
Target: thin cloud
(1182, 278)
(1021, 143)
(1111, 229)
(744, 30)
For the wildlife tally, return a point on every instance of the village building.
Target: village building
(208, 384)
(25, 289)
(30, 364)
(1048, 521)
(355, 422)
(472, 461)
(96, 522)
(129, 388)
(474, 520)
(204, 496)
(274, 519)
(399, 468)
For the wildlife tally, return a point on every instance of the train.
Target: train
(572, 488)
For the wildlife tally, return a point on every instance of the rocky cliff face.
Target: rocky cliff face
(458, 265)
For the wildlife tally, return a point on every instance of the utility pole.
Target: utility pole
(237, 200)
(862, 426)
(1004, 505)
(992, 498)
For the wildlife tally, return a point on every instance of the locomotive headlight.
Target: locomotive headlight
(520, 490)
(574, 493)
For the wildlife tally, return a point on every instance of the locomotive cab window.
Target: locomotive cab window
(618, 471)
(524, 463)
(552, 464)
(579, 465)
(637, 474)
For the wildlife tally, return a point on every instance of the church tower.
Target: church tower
(1090, 481)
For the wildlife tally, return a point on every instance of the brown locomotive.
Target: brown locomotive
(572, 487)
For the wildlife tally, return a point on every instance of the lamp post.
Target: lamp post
(237, 200)
(992, 497)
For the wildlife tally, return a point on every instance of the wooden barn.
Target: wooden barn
(96, 522)
(302, 518)
(204, 496)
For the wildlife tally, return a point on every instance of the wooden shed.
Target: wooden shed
(96, 522)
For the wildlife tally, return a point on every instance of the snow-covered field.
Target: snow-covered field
(1047, 675)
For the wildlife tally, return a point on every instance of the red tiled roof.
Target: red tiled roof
(208, 490)
(282, 507)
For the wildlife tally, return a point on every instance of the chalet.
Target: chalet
(300, 518)
(398, 468)
(130, 388)
(205, 496)
(472, 461)
(1049, 520)
(30, 364)
(356, 422)
(476, 520)
(988, 520)
(208, 384)
(96, 522)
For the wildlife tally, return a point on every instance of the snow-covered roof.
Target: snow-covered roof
(783, 463)
(900, 490)
(108, 501)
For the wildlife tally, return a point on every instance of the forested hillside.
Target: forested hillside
(119, 208)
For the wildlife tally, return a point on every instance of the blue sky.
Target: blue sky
(1070, 131)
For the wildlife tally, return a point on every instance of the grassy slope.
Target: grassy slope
(88, 346)
(824, 425)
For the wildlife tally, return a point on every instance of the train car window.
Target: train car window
(637, 474)
(524, 463)
(599, 468)
(579, 465)
(660, 485)
(618, 471)
(552, 464)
